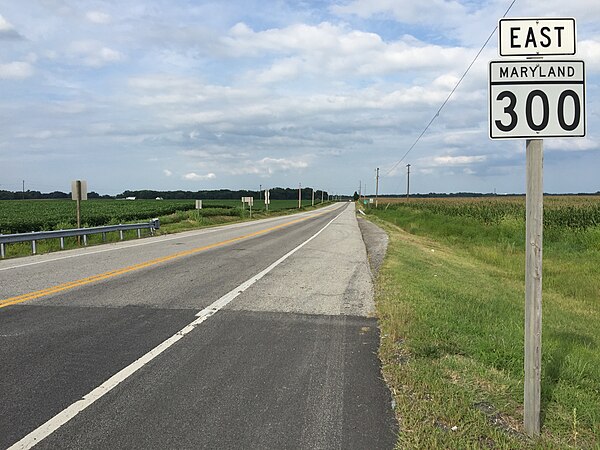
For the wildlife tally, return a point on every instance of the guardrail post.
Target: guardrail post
(62, 243)
(121, 233)
(103, 237)
(2, 250)
(33, 248)
(85, 240)
(139, 233)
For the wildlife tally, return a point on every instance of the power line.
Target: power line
(451, 92)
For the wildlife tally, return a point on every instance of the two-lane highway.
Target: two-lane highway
(256, 335)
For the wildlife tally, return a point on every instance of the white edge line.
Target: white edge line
(46, 429)
(128, 244)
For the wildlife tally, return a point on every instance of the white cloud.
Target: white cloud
(328, 50)
(93, 54)
(5, 25)
(268, 166)
(167, 173)
(16, 70)
(43, 134)
(97, 17)
(7, 31)
(569, 145)
(192, 176)
(589, 51)
(454, 160)
(408, 11)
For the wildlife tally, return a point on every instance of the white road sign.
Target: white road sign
(536, 37)
(249, 200)
(536, 99)
(83, 189)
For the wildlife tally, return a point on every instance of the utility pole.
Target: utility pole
(407, 181)
(359, 189)
(313, 197)
(299, 195)
(376, 187)
(23, 189)
(321, 195)
(260, 191)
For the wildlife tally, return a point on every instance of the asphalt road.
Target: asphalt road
(256, 335)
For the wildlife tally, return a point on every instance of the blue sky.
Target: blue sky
(197, 95)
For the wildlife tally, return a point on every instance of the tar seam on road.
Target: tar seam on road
(103, 276)
(46, 429)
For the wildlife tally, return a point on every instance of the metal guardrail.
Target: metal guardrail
(35, 236)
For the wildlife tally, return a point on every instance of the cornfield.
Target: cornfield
(571, 212)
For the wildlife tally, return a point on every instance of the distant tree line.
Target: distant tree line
(37, 195)
(277, 193)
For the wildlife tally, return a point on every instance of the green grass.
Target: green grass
(450, 296)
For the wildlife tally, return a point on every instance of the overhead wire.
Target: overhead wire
(436, 115)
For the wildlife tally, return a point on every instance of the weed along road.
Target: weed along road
(255, 335)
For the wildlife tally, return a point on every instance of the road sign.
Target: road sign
(536, 37)
(198, 204)
(79, 190)
(535, 99)
(267, 197)
(249, 200)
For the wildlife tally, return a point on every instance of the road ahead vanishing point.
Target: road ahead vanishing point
(255, 335)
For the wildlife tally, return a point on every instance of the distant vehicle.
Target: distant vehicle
(129, 198)
(159, 198)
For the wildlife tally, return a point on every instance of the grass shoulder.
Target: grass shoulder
(450, 305)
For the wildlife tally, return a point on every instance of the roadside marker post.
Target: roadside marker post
(250, 201)
(78, 193)
(267, 199)
(532, 99)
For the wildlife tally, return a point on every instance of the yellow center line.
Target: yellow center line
(114, 273)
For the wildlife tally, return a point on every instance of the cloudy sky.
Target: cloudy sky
(193, 94)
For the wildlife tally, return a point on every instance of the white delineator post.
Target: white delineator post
(533, 286)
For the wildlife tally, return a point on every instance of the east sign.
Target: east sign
(536, 37)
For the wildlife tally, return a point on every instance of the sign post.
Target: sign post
(534, 227)
(532, 99)
(267, 199)
(250, 201)
(78, 193)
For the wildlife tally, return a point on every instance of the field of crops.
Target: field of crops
(572, 212)
(22, 216)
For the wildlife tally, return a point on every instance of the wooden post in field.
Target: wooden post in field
(78, 194)
(533, 286)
